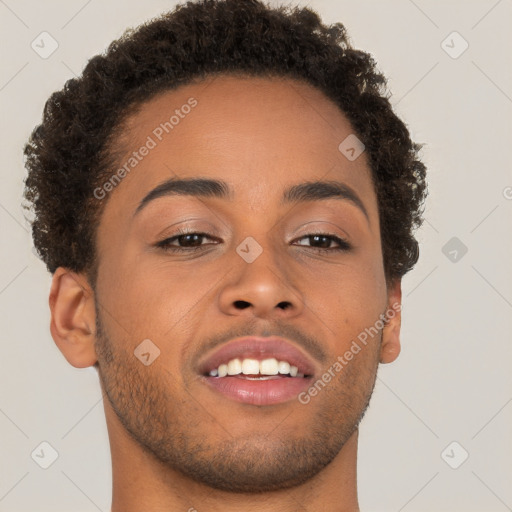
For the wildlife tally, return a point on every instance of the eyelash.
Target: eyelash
(165, 244)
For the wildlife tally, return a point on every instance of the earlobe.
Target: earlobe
(390, 347)
(389, 352)
(73, 317)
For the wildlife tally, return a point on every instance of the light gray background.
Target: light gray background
(452, 381)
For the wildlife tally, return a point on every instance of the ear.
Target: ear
(390, 347)
(73, 317)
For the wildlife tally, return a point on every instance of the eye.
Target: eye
(190, 241)
(324, 241)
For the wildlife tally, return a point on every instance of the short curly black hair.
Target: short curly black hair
(72, 151)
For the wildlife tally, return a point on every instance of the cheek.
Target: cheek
(351, 293)
(148, 296)
(148, 299)
(347, 304)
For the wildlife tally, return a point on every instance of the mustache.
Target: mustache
(308, 343)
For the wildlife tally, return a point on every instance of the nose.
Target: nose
(264, 288)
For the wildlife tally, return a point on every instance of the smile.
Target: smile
(258, 371)
(253, 367)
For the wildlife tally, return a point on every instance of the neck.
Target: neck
(142, 482)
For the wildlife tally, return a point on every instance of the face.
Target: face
(308, 270)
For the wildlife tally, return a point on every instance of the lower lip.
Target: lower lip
(259, 392)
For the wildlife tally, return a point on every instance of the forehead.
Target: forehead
(256, 133)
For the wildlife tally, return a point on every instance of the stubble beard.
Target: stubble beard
(166, 422)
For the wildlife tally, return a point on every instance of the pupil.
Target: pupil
(196, 237)
(316, 237)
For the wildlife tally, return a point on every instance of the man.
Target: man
(226, 202)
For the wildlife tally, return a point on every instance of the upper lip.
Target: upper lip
(258, 348)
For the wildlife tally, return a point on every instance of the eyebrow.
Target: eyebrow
(207, 187)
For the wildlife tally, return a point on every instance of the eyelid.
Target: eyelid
(308, 229)
(187, 225)
(343, 245)
(319, 226)
(183, 232)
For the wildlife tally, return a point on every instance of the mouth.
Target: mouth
(258, 371)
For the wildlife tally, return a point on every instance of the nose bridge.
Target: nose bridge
(262, 281)
(260, 242)
(262, 259)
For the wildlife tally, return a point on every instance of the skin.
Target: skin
(175, 443)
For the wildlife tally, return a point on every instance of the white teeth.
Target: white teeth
(234, 367)
(223, 370)
(283, 367)
(250, 367)
(270, 366)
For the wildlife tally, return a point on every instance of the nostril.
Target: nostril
(242, 304)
